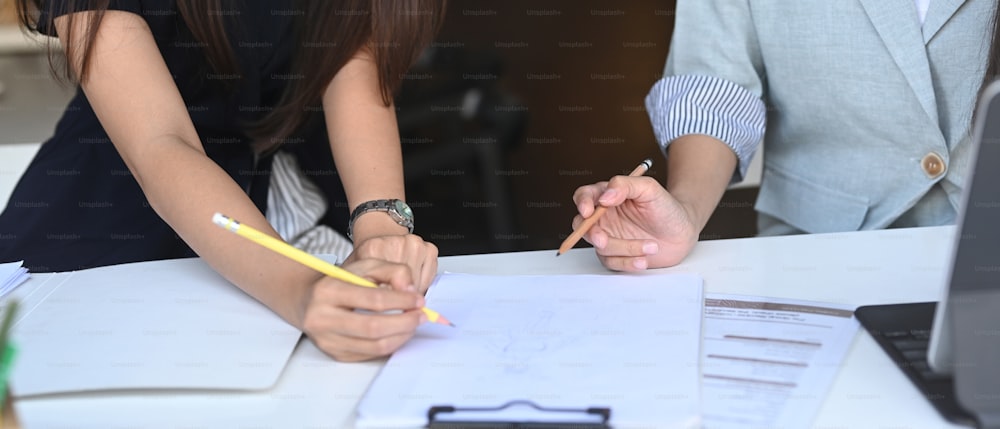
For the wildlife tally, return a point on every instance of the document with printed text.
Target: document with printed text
(769, 362)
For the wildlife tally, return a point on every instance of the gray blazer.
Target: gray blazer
(859, 99)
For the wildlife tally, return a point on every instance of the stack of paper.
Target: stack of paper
(11, 275)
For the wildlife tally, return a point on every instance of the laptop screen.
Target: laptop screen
(977, 254)
(965, 340)
(976, 262)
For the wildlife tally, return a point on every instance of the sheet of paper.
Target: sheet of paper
(155, 325)
(769, 362)
(11, 275)
(627, 342)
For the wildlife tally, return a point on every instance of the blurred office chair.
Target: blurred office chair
(458, 126)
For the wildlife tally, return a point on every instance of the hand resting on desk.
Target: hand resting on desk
(336, 329)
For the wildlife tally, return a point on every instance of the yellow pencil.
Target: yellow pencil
(306, 259)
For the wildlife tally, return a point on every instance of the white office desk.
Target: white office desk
(316, 392)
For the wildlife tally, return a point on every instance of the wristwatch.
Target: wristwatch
(396, 209)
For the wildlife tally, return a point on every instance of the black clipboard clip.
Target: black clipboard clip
(590, 418)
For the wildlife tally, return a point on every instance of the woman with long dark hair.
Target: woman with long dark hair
(264, 111)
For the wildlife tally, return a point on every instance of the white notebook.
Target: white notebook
(173, 324)
(628, 343)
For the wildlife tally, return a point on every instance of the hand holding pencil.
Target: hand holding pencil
(583, 228)
(348, 316)
(633, 223)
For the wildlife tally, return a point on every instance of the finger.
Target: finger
(363, 267)
(597, 236)
(332, 311)
(339, 339)
(348, 349)
(585, 197)
(429, 269)
(417, 254)
(369, 326)
(344, 295)
(424, 261)
(625, 247)
(625, 263)
(396, 275)
(640, 189)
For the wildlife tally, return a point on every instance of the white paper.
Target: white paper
(156, 325)
(12, 274)
(769, 362)
(626, 342)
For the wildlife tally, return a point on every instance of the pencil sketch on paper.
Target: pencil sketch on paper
(538, 341)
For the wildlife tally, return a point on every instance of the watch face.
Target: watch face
(404, 210)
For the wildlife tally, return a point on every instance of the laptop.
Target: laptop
(951, 349)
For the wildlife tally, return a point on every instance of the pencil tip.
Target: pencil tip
(441, 320)
(557, 253)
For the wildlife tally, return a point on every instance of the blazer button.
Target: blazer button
(933, 165)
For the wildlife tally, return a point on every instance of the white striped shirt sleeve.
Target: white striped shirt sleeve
(294, 207)
(688, 104)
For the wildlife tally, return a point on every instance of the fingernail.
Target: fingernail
(639, 264)
(650, 248)
(413, 288)
(423, 318)
(607, 196)
(599, 242)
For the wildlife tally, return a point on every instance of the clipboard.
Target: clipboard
(443, 417)
(625, 343)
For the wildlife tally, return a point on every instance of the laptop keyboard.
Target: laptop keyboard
(913, 344)
(904, 332)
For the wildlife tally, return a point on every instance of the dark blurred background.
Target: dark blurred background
(517, 104)
(520, 102)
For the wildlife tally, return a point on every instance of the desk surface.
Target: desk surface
(904, 265)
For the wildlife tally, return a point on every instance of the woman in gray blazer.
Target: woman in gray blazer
(864, 108)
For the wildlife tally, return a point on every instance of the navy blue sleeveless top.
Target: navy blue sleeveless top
(77, 206)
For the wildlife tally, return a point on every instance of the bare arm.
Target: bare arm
(140, 107)
(137, 102)
(364, 140)
(698, 172)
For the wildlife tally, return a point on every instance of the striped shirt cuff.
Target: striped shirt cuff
(295, 206)
(682, 105)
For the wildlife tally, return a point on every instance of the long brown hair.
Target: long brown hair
(330, 34)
